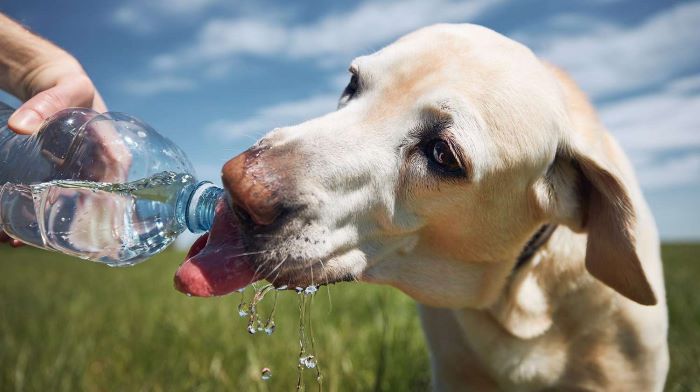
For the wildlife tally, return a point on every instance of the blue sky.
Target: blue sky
(213, 75)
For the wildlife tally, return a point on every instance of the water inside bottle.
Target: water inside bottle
(116, 224)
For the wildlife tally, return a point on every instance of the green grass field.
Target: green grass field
(67, 325)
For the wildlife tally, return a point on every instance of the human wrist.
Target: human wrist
(23, 55)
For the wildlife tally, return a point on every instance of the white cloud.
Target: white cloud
(183, 6)
(610, 59)
(657, 125)
(143, 16)
(281, 114)
(372, 24)
(655, 122)
(674, 172)
(218, 70)
(613, 60)
(133, 19)
(331, 39)
(157, 85)
(689, 84)
(221, 37)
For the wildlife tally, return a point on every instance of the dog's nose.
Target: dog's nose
(247, 183)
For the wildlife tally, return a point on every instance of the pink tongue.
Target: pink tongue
(214, 264)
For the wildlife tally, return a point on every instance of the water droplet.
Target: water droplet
(308, 361)
(189, 294)
(270, 328)
(243, 309)
(141, 134)
(299, 290)
(266, 374)
(310, 290)
(252, 330)
(283, 287)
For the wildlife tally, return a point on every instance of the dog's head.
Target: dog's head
(448, 150)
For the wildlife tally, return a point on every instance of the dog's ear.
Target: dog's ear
(587, 193)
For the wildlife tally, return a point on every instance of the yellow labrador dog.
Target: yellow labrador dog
(477, 179)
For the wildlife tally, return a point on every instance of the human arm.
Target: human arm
(41, 74)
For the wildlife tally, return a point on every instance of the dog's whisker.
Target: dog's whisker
(260, 267)
(328, 286)
(264, 263)
(268, 236)
(311, 267)
(279, 264)
(276, 276)
(254, 253)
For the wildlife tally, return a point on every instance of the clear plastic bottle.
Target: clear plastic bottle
(104, 187)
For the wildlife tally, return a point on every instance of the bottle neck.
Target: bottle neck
(201, 207)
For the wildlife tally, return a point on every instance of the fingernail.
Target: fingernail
(25, 120)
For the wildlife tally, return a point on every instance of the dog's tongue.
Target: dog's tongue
(214, 264)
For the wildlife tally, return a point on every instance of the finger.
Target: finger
(71, 92)
(4, 238)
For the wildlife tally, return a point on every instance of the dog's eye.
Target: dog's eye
(350, 90)
(440, 153)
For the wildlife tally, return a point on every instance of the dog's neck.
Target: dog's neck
(534, 244)
(534, 289)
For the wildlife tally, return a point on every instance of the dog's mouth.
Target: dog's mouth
(219, 263)
(216, 263)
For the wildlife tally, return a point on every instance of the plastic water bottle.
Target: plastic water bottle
(104, 187)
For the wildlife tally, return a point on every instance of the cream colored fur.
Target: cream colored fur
(587, 312)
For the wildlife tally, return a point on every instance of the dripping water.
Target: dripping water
(302, 340)
(307, 352)
(265, 374)
(307, 356)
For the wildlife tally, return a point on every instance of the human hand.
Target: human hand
(54, 85)
(43, 75)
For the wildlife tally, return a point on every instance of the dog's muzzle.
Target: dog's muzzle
(252, 188)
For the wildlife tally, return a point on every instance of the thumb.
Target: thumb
(28, 117)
